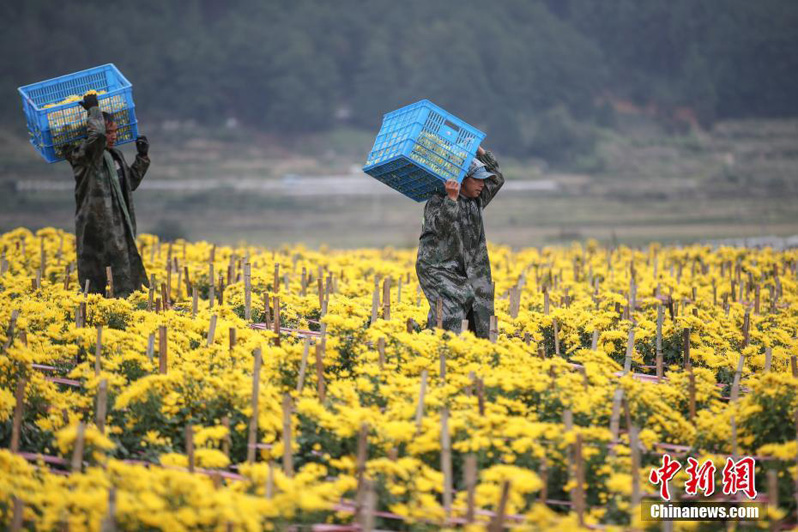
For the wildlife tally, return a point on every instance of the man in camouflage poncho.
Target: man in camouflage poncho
(105, 223)
(453, 263)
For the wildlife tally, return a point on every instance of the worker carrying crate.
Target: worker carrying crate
(428, 154)
(81, 118)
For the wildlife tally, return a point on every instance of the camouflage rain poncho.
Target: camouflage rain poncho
(453, 262)
(105, 223)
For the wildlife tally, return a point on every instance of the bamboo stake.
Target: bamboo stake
(659, 358)
(556, 333)
(211, 285)
(735, 391)
(320, 384)
(102, 405)
(630, 349)
(439, 313)
(497, 523)
(369, 507)
(77, 453)
(211, 331)
(19, 409)
(691, 393)
(162, 350)
(109, 275)
(481, 396)
(17, 516)
(420, 407)
(580, 480)
(399, 291)
(471, 485)
(768, 359)
(686, 347)
(267, 316)
(463, 326)
(615, 419)
(773, 495)
(594, 340)
(247, 291)
(276, 321)
(386, 299)
(232, 333)
(634, 444)
(288, 456)
(270, 481)
(360, 467)
(276, 282)
(98, 351)
(194, 301)
(303, 367)
(253, 420)
(494, 329)
(381, 351)
(12, 323)
(446, 462)
(746, 327)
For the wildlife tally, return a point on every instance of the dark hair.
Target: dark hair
(108, 117)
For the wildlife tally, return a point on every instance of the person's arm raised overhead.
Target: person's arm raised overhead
(142, 162)
(494, 182)
(91, 148)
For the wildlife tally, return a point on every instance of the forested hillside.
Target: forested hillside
(534, 75)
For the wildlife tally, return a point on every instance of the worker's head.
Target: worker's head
(110, 129)
(474, 181)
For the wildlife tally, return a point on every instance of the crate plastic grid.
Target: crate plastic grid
(54, 128)
(414, 135)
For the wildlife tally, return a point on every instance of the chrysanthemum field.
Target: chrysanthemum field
(137, 414)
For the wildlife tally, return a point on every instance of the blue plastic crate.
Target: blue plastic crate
(420, 147)
(53, 126)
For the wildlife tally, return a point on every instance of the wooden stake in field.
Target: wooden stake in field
(579, 491)
(102, 405)
(98, 351)
(659, 361)
(253, 421)
(109, 275)
(288, 455)
(77, 453)
(686, 347)
(556, 334)
(19, 410)
(634, 445)
(150, 347)
(211, 331)
(320, 384)
(494, 329)
(768, 359)
(746, 327)
(446, 462)
(277, 323)
(439, 313)
(386, 299)
(303, 367)
(470, 472)
(630, 349)
(381, 352)
(211, 284)
(162, 350)
(247, 291)
(420, 407)
(189, 435)
(497, 523)
(691, 393)
(360, 467)
(232, 334)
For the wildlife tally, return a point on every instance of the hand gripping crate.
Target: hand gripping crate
(56, 120)
(420, 147)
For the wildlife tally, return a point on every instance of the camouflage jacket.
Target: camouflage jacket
(452, 262)
(104, 237)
